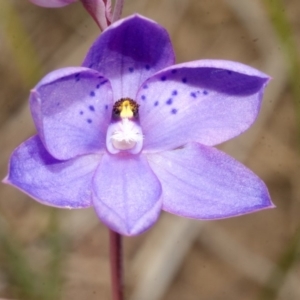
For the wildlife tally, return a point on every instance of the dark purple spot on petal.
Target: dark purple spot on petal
(174, 93)
(90, 65)
(156, 103)
(92, 94)
(81, 112)
(174, 111)
(205, 92)
(147, 67)
(184, 80)
(169, 101)
(163, 78)
(193, 95)
(77, 77)
(143, 97)
(103, 82)
(131, 70)
(89, 121)
(145, 86)
(229, 72)
(106, 106)
(57, 104)
(98, 86)
(174, 71)
(92, 108)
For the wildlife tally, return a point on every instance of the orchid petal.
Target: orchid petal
(203, 183)
(71, 109)
(64, 184)
(52, 3)
(130, 51)
(207, 101)
(126, 193)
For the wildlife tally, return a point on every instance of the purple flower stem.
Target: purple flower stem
(116, 265)
(117, 10)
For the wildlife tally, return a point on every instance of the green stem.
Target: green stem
(116, 265)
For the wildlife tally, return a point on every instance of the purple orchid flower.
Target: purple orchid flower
(52, 3)
(130, 133)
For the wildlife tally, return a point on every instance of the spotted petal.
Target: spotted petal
(130, 51)
(126, 193)
(207, 101)
(71, 109)
(64, 184)
(203, 183)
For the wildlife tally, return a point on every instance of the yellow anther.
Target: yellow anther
(126, 110)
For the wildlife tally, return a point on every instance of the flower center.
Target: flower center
(124, 133)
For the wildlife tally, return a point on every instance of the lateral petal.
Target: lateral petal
(64, 184)
(206, 101)
(71, 108)
(204, 183)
